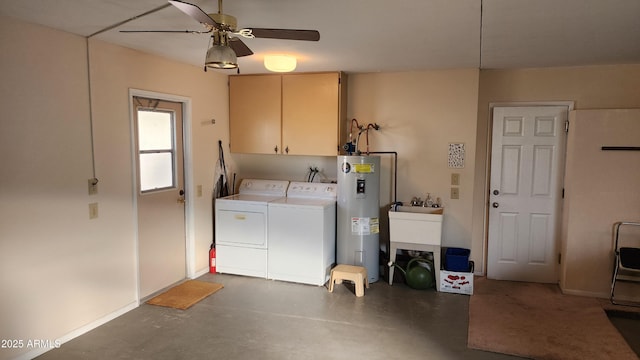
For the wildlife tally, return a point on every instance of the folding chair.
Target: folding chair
(627, 262)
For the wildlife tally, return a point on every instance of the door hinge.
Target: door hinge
(566, 126)
(563, 193)
(559, 258)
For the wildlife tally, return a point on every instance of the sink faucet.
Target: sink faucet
(416, 201)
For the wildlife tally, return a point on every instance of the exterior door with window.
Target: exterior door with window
(527, 159)
(160, 194)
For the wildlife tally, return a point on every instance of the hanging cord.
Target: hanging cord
(129, 20)
(480, 40)
(94, 180)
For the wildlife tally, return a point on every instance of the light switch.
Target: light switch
(455, 179)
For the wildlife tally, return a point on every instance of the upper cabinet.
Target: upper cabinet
(295, 114)
(255, 107)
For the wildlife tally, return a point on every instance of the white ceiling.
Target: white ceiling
(371, 35)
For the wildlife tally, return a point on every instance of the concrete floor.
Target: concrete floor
(254, 318)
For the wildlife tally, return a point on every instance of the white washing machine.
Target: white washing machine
(241, 222)
(302, 234)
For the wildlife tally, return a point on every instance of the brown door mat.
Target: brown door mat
(185, 295)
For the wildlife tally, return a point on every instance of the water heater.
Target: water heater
(358, 213)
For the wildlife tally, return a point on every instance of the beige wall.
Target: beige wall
(46, 241)
(114, 71)
(601, 189)
(592, 87)
(63, 273)
(419, 114)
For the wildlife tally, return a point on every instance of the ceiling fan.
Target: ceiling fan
(225, 48)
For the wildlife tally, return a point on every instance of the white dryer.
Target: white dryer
(302, 234)
(241, 222)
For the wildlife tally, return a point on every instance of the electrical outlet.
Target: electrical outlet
(455, 193)
(199, 190)
(455, 179)
(93, 210)
(93, 186)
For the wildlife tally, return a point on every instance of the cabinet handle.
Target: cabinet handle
(275, 149)
(286, 150)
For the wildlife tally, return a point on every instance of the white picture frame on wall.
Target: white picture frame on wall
(456, 155)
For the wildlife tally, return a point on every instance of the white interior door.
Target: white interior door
(527, 158)
(160, 193)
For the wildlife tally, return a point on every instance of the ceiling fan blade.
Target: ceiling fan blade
(166, 31)
(195, 12)
(239, 47)
(287, 34)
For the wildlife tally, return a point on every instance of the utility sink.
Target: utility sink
(416, 228)
(420, 209)
(416, 225)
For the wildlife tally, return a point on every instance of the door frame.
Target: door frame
(188, 179)
(487, 171)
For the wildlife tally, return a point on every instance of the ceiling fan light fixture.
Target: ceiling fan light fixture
(280, 63)
(221, 57)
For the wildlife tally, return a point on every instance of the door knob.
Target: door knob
(496, 192)
(495, 204)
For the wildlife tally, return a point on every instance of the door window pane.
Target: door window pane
(155, 130)
(156, 171)
(156, 145)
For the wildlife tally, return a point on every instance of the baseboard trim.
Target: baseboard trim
(585, 293)
(82, 330)
(200, 273)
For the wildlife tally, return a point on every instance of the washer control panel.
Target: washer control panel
(313, 190)
(263, 187)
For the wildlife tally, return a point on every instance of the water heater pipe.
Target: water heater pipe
(395, 171)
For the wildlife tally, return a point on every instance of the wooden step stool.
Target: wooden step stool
(356, 274)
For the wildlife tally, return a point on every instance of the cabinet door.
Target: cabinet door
(254, 114)
(310, 114)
